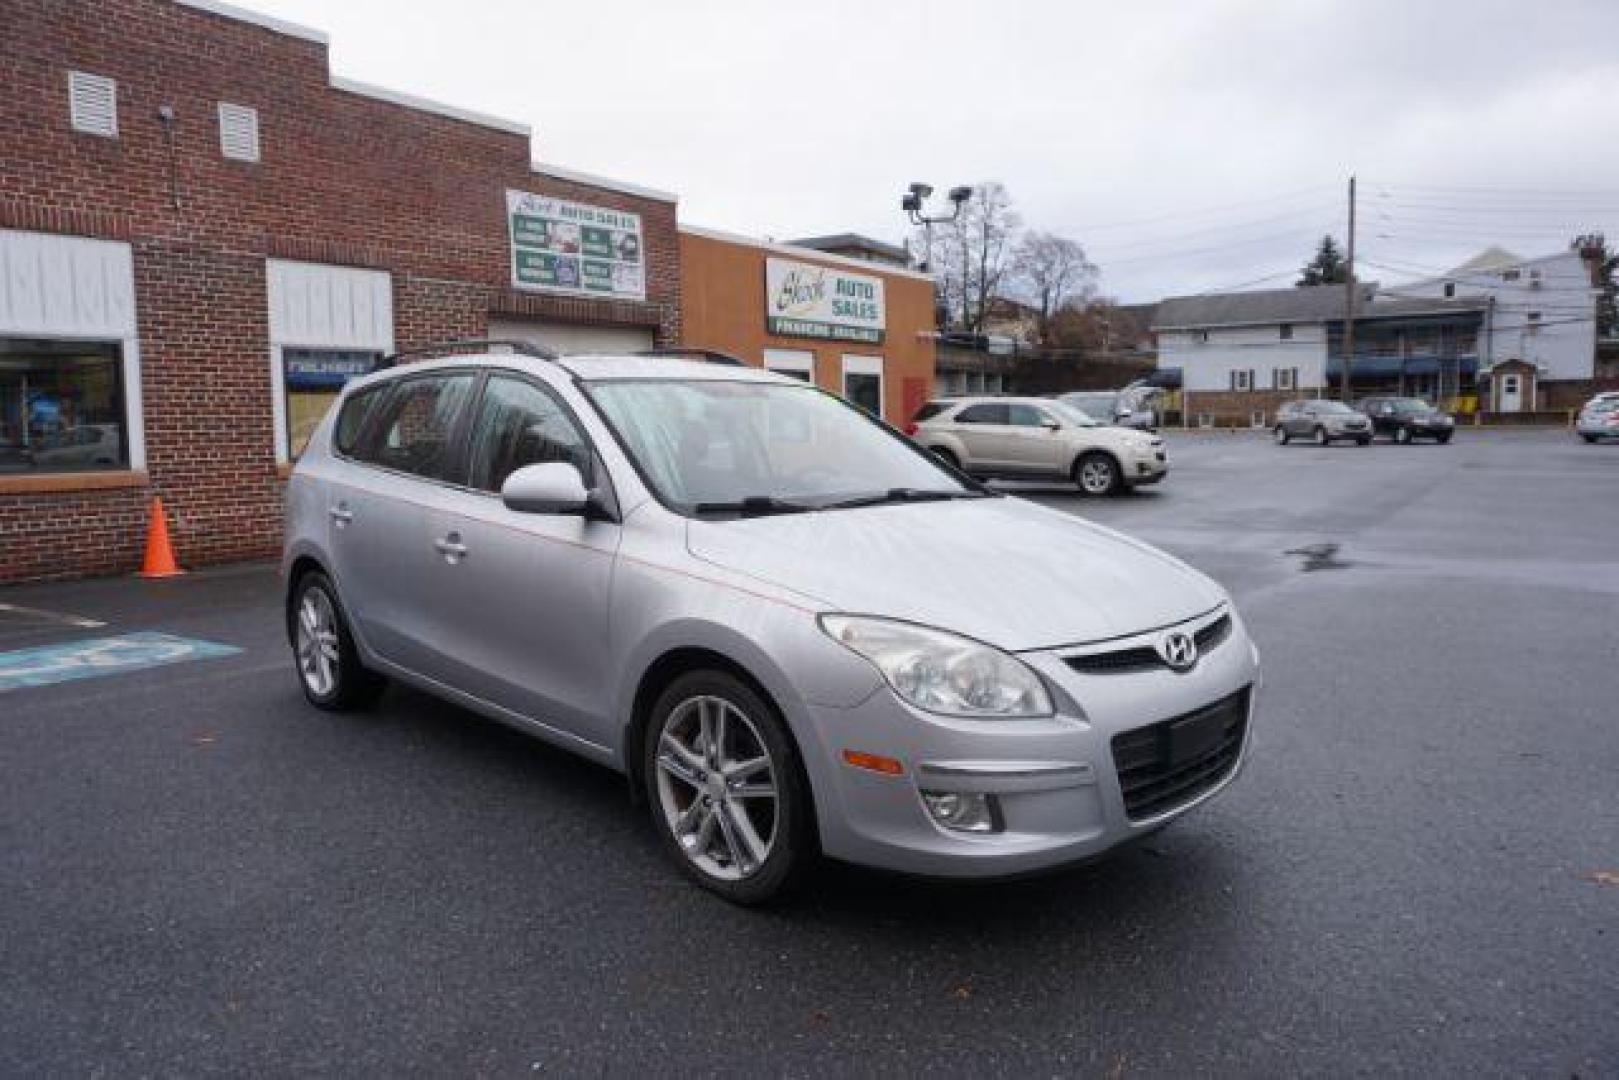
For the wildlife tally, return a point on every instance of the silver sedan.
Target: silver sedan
(795, 632)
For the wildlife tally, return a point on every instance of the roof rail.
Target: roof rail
(711, 356)
(527, 348)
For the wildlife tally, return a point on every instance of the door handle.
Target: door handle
(451, 548)
(341, 514)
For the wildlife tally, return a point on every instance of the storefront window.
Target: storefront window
(314, 378)
(61, 406)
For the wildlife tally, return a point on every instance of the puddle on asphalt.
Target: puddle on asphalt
(1319, 557)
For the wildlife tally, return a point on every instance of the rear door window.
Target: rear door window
(417, 425)
(989, 412)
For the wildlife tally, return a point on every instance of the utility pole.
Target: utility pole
(1349, 296)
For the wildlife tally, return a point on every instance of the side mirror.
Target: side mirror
(552, 487)
(1122, 414)
(1051, 425)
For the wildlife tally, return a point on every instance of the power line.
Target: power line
(1283, 197)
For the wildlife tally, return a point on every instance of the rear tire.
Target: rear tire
(1442, 439)
(328, 664)
(1097, 473)
(1282, 437)
(1589, 438)
(749, 848)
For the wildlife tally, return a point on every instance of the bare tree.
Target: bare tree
(971, 256)
(1055, 271)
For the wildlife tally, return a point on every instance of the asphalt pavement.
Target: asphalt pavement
(1418, 873)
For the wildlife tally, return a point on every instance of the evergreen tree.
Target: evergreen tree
(1327, 268)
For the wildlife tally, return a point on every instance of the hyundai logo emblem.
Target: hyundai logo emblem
(1178, 650)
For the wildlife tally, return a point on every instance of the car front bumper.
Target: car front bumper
(1054, 783)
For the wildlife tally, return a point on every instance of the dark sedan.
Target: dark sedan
(1404, 419)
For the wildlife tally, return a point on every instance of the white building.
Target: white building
(1540, 310)
(1250, 342)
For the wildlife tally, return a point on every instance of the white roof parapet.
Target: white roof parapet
(411, 101)
(607, 183)
(810, 254)
(268, 22)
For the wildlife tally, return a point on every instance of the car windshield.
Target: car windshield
(721, 447)
(1069, 414)
(1098, 406)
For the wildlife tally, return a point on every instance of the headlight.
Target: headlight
(940, 672)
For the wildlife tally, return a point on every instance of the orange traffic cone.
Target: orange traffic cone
(159, 555)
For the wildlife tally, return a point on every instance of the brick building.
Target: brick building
(203, 232)
(853, 326)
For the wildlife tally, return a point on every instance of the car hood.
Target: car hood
(1002, 570)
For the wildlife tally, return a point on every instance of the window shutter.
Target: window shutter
(1233, 378)
(92, 104)
(238, 132)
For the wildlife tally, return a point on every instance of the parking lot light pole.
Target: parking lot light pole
(912, 203)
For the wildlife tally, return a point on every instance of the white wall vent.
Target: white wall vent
(238, 132)
(93, 103)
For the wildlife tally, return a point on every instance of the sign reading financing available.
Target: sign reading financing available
(804, 300)
(569, 247)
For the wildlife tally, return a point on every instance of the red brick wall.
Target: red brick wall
(343, 178)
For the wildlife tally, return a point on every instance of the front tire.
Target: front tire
(328, 664)
(726, 788)
(1442, 439)
(1281, 436)
(1097, 473)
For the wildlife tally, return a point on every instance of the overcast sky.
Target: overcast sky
(1189, 146)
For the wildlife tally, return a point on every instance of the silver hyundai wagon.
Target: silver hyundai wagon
(795, 631)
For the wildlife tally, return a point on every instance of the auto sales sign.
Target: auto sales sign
(805, 300)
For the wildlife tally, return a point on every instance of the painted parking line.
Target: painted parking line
(24, 615)
(95, 657)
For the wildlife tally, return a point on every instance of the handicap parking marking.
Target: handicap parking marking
(94, 657)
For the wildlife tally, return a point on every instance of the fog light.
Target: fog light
(962, 812)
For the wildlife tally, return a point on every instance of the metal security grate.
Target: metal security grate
(92, 103)
(1171, 763)
(238, 132)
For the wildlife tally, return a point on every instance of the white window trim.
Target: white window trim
(791, 361)
(856, 364)
(129, 351)
(278, 369)
(129, 357)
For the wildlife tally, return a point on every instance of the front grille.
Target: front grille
(1169, 764)
(1145, 657)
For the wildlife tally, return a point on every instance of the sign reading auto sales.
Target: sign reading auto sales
(805, 300)
(569, 247)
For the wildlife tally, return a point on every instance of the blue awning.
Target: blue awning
(1392, 367)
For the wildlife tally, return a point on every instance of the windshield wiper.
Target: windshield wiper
(900, 494)
(754, 506)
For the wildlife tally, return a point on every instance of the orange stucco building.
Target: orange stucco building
(856, 328)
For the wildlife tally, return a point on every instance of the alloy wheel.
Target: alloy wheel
(717, 787)
(317, 646)
(1096, 476)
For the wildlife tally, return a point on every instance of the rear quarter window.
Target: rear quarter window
(351, 421)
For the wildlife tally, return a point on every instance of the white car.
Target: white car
(1010, 438)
